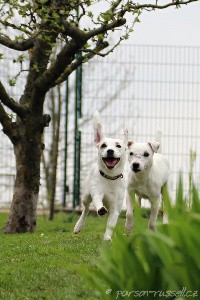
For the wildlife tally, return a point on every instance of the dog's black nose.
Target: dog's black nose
(135, 166)
(110, 152)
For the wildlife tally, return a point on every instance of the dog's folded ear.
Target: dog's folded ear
(158, 139)
(154, 146)
(130, 143)
(97, 126)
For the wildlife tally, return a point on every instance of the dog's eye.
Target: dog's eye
(131, 153)
(146, 154)
(118, 146)
(103, 146)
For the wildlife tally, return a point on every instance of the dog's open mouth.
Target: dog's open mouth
(110, 162)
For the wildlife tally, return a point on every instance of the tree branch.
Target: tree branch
(8, 24)
(72, 31)
(57, 70)
(10, 103)
(39, 59)
(9, 128)
(104, 28)
(95, 52)
(16, 45)
(156, 6)
(5, 120)
(64, 58)
(100, 46)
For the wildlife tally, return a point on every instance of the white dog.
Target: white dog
(149, 172)
(105, 184)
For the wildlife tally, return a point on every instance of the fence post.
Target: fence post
(77, 135)
(65, 189)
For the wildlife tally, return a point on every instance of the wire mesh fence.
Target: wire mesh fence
(147, 88)
(143, 87)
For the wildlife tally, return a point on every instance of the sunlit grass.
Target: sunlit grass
(49, 263)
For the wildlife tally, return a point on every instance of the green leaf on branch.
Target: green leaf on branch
(100, 36)
(12, 82)
(90, 14)
(48, 52)
(27, 105)
(106, 16)
(20, 58)
(35, 68)
(11, 116)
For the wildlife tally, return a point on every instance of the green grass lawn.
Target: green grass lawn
(50, 263)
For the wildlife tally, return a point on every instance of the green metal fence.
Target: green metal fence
(143, 87)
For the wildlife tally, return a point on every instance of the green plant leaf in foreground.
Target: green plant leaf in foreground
(162, 261)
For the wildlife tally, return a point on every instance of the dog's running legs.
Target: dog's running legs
(98, 203)
(165, 216)
(139, 200)
(86, 203)
(129, 212)
(154, 213)
(111, 223)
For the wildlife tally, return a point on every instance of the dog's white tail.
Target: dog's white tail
(158, 139)
(97, 126)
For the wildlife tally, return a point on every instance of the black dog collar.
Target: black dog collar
(110, 177)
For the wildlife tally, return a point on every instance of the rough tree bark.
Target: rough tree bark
(28, 143)
(28, 149)
(27, 153)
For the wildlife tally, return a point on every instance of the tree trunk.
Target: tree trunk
(28, 151)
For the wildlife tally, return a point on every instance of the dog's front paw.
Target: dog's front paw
(129, 226)
(152, 227)
(102, 211)
(107, 237)
(129, 222)
(77, 229)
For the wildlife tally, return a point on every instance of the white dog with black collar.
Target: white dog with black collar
(105, 184)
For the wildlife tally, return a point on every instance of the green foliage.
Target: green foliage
(190, 175)
(21, 58)
(107, 16)
(12, 82)
(12, 116)
(35, 67)
(166, 260)
(59, 23)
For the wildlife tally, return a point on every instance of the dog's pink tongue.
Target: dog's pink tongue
(111, 162)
